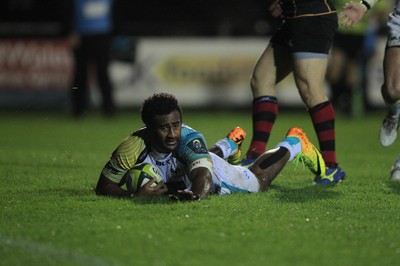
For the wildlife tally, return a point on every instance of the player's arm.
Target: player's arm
(193, 151)
(107, 187)
(112, 175)
(353, 12)
(201, 185)
(200, 176)
(201, 182)
(122, 159)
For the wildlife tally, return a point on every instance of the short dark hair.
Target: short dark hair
(159, 104)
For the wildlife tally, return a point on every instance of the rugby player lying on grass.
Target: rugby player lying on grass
(190, 171)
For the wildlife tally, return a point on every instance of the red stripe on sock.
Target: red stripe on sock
(323, 118)
(256, 148)
(263, 126)
(264, 114)
(326, 135)
(330, 160)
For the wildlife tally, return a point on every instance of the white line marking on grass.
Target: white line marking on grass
(57, 254)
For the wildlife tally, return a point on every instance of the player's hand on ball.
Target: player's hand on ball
(152, 189)
(145, 179)
(184, 195)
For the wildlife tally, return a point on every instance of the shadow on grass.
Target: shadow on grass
(394, 186)
(89, 194)
(66, 192)
(84, 193)
(305, 194)
(282, 193)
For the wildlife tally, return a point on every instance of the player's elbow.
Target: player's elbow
(102, 185)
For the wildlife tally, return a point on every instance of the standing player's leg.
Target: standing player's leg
(101, 49)
(391, 87)
(309, 73)
(310, 64)
(274, 64)
(79, 92)
(395, 171)
(391, 95)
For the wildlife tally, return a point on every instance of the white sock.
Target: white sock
(293, 144)
(227, 146)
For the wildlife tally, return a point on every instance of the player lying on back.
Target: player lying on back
(189, 169)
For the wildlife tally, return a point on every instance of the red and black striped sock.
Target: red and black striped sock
(265, 110)
(323, 118)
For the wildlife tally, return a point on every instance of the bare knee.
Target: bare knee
(312, 95)
(391, 90)
(260, 86)
(255, 85)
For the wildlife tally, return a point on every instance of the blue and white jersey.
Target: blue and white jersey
(176, 166)
(136, 148)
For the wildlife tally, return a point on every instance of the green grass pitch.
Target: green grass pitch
(49, 214)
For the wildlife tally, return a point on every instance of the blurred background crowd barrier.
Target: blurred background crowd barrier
(202, 51)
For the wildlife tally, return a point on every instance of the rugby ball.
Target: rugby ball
(140, 174)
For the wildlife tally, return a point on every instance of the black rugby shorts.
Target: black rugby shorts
(310, 34)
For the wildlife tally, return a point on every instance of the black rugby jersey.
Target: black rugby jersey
(301, 8)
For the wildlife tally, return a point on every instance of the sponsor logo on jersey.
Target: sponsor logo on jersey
(163, 163)
(198, 146)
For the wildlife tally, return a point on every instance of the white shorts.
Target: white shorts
(231, 178)
(394, 30)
